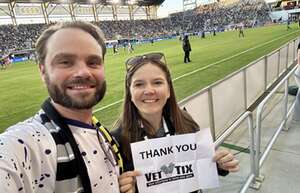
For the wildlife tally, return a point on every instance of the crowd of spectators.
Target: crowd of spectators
(204, 18)
(249, 12)
(19, 37)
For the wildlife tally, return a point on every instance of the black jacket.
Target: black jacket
(186, 46)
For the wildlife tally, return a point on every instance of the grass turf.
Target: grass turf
(22, 91)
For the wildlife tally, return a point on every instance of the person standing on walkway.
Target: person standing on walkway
(296, 115)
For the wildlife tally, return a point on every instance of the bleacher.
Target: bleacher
(218, 16)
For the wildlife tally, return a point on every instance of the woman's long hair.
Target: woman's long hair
(130, 121)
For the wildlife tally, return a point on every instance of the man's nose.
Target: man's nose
(82, 70)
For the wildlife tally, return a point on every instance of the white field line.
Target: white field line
(177, 78)
(202, 68)
(228, 58)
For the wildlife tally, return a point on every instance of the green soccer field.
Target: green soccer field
(22, 91)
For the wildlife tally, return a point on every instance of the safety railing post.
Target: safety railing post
(285, 104)
(258, 178)
(211, 114)
(266, 72)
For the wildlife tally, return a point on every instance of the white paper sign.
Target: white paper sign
(176, 164)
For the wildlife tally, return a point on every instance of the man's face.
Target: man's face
(74, 69)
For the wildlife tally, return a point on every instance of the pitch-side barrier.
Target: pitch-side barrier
(224, 105)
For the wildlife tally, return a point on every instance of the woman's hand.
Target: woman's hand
(226, 161)
(127, 181)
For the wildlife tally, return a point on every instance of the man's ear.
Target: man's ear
(42, 71)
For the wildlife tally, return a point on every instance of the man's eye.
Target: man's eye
(64, 62)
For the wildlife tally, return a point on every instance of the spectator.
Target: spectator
(61, 149)
(203, 18)
(296, 116)
(151, 111)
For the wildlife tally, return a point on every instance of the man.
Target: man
(186, 46)
(288, 23)
(130, 47)
(115, 49)
(60, 149)
(241, 30)
(2, 63)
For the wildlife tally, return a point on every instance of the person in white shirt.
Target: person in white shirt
(296, 115)
(61, 149)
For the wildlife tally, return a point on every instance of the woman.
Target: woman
(151, 111)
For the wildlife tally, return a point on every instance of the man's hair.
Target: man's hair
(41, 44)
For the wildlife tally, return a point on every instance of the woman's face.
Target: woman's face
(149, 90)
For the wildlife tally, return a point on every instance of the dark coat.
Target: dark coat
(186, 46)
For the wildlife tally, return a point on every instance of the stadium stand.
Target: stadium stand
(204, 18)
(219, 16)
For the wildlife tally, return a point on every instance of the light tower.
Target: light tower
(189, 4)
(187, 15)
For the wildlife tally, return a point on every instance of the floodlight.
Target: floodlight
(131, 2)
(115, 1)
(64, 1)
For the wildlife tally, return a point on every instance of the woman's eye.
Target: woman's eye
(94, 63)
(158, 82)
(138, 84)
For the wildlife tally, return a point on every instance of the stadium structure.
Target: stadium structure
(142, 23)
(282, 10)
(37, 11)
(223, 106)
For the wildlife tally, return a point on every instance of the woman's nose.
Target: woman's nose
(149, 89)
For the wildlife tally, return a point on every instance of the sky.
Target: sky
(171, 6)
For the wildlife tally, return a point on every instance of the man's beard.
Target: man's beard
(60, 96)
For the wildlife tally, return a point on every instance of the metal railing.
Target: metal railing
(259, 159)
(254, 179)
(247, 115)
(210, 105)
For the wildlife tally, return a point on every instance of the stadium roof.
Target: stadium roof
(104, 2)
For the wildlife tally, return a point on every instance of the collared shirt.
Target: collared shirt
(28, 159)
